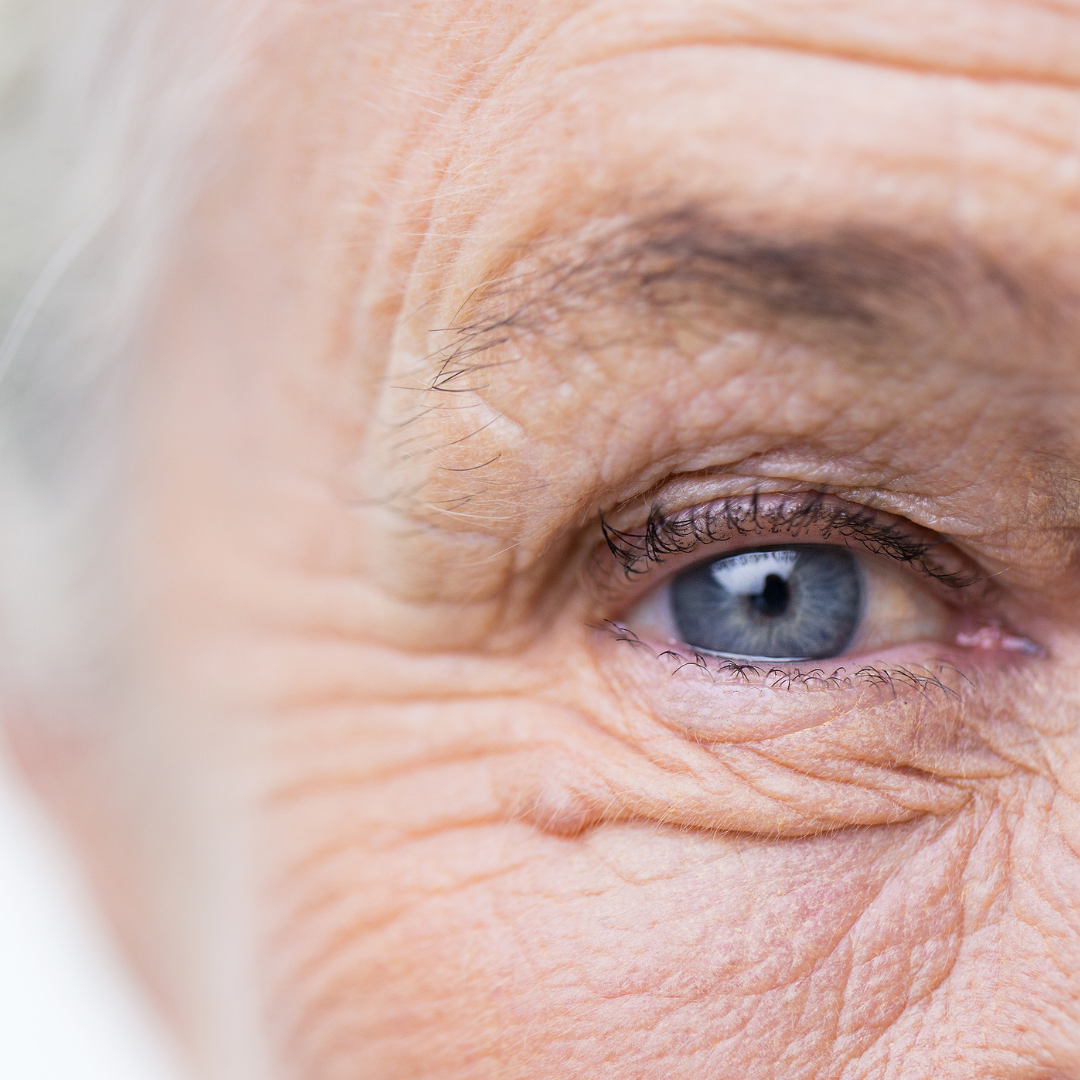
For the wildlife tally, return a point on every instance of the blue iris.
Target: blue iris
(796, 603)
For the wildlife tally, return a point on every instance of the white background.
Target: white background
(68, 1008)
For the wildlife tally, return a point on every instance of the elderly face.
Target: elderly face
(606, 508)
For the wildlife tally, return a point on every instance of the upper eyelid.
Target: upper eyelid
(683, 531)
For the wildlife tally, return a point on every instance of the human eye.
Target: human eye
(796, 579)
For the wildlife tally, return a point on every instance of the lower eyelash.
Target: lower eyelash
(899, 680)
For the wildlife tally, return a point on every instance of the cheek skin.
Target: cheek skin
(499, 950)
(421, 909)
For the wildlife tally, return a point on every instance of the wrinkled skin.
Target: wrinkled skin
(383, 798)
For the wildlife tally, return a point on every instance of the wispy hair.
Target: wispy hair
(104, 106)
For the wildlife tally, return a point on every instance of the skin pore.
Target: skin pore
(402, 787)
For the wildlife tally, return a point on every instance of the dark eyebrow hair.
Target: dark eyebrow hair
(867, 291)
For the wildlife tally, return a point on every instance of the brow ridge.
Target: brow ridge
(864, 289)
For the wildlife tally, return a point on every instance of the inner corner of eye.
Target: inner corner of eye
(800, 602)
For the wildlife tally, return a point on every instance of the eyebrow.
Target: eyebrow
(868, 291)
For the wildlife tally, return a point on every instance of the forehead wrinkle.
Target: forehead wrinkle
(968, 39)
(861, 292)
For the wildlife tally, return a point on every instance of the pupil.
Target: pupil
(773, 598)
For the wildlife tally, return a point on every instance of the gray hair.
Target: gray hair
(104, 105)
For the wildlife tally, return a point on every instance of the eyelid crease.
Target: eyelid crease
(666, 534)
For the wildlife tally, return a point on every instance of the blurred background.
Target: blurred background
(68, 1008)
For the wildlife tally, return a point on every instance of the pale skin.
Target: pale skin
(402, 778)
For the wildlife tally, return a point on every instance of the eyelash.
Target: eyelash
(667, 535)
(723, 520)
(896, 679)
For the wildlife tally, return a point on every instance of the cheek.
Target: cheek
(413, 929)
(420, 922)
(497, 951)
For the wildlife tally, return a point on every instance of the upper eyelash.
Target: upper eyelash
(724, 519)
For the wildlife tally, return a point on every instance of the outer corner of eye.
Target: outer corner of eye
(652, 618)
(801, 602)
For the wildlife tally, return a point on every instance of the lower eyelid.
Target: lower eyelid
(718, 747)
